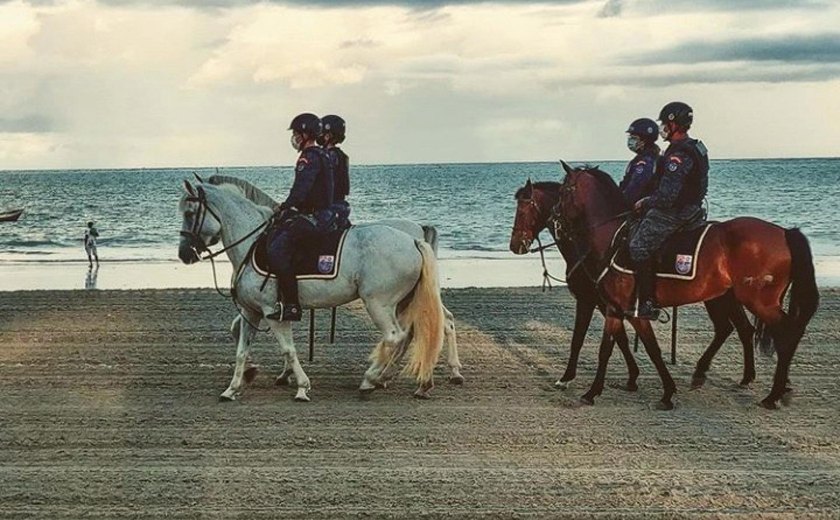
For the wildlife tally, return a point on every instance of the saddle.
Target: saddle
(316, 259)
(676, 259)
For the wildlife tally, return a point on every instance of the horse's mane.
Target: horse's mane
(251, 192)
(543, 185)
(613, 193)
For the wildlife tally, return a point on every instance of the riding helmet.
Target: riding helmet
(306, 123)
(645, 128)
(334, 125)
(678, 112)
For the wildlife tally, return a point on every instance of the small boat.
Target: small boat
(11, 215)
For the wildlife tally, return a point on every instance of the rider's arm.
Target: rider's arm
(638, 176)
(306, 171)
(676, 167)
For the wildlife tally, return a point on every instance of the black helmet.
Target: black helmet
(645, 128)
(306, 123)
(678, 112)
(335, 125)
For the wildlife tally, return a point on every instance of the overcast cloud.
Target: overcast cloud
(124, 83)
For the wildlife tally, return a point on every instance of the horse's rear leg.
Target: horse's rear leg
(648, 337)
(746, 333)
(283, 332)
(719, 310)
(583, 316)
(452, 348)
(392, 346)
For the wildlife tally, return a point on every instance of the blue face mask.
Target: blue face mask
(634, 144)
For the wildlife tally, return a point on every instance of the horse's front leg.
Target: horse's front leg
(611, 327)
(283, 332)
(583, 317)
(235, 388)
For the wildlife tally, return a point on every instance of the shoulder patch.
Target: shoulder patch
(672, 166)
(675, 159)
(639, 169)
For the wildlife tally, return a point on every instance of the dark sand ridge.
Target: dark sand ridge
(110, 410)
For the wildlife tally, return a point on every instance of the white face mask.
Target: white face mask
(297, 141)
(663, 131)
(634, 144)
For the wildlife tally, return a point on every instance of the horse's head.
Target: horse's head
(588, 197)
(201, 228)
(533, 208)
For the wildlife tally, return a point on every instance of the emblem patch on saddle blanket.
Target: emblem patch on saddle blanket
(326, 263)
(318, 259)
(683, 264)
(676, 259)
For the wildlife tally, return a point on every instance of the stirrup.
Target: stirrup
(647, 311)
(278, 312)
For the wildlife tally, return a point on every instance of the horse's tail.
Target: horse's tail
(424, 314)
(804, 295)
(430, 234)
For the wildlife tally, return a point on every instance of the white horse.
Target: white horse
(413, 229)
(395, 276)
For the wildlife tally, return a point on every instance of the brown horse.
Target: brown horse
(534, 205)
(753, 259)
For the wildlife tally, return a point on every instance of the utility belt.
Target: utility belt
(321, 220)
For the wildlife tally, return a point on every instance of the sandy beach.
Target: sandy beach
(110, 410)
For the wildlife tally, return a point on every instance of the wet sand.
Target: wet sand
(110, 410)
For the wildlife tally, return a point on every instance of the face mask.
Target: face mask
(297, 141)
(321, 140)
(663, 131)
(634, 144)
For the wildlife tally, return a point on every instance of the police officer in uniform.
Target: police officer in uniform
(639, 176)
(677, 201)
(301, 216)
(333, 133)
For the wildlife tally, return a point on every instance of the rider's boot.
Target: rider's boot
(287, 307)
(646, 306)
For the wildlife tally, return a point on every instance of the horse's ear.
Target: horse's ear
(189, 187)
(566, 167)
(199, 179)
(200, 191)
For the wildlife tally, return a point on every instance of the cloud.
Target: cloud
(822, 48)
(28, 124)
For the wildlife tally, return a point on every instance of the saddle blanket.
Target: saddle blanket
(317, 259)
(676, 259)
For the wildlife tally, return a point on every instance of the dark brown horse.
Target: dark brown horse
(752, 259)
(535, 202)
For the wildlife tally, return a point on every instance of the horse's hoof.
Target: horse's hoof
(227, 397)
(250, 374)
(697, 382)
(562, 385)
(769, 404)
(664, 405)
(302, 395)
(632, 386)
(745, 383)
(281, 381)
(787, 397)
(586, 400)
(456, 379)
(422, 394)
(382, 385)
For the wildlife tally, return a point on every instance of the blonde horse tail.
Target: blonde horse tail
(424, 314)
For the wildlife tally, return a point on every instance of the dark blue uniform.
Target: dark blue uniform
(640, 175)
(306, 211)
(341, 173)
(683, 181)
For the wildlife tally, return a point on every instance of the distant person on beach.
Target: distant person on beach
(333, 133)
(89, 239)
(639, 176)
(677, 201)
(301, 216)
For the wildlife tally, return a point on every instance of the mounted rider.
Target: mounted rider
(302, 216)
(677, 201)
(640, 175)
(333, 132)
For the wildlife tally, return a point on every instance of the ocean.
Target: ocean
(471, 205)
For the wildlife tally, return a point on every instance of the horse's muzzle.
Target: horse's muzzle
(520, 245)
(187, 253)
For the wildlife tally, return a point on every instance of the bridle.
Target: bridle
(198, 245)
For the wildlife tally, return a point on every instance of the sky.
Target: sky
(159, 83)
